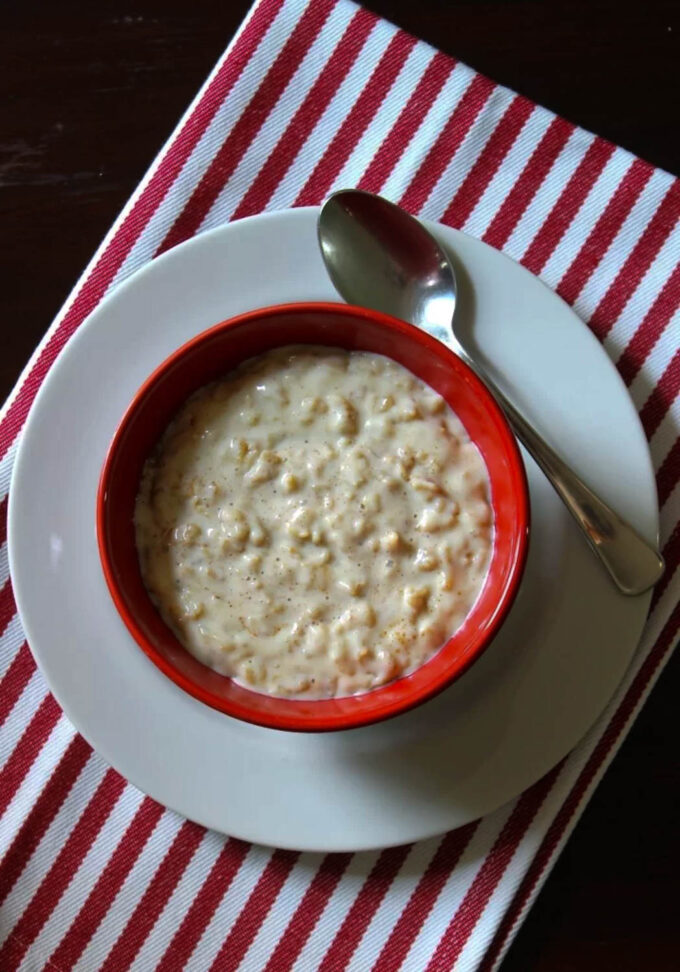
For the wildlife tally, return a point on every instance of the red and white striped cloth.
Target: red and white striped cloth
(309, 97)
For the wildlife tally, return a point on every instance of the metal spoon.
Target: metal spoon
(379, 256)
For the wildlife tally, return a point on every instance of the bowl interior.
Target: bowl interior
(211, 355)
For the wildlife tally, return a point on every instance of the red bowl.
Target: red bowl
(217, 351)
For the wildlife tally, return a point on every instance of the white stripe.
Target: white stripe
(206, 148)
(333, 117)
(523, 858)
(380, 128)
(281, 911)
(229, 908)
(642, 300)
(393, 904)
(130, 893)
(36, 779)
(628, 236)
(548, 193)
(508, 173)
(427, 132)
(656, 363)
(25, 707)
(664, 438)
(4, 564)
(51, 843)
(456, 887)
(583, 223)
(11, 641)
(335, 912)
(492, 915)
(75, 894)
(6, 466)
(655, 625)
(666, 435)
(179, 901)
(277, 124)
(467, 153)
(646, 292)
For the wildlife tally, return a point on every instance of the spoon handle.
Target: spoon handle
(632, 562)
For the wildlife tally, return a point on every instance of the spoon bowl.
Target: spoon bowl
(388, 259)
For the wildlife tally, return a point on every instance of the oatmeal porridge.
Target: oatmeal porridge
(315, 524)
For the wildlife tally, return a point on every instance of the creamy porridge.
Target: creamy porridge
(315, 524)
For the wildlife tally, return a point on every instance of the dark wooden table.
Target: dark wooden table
(72, 151)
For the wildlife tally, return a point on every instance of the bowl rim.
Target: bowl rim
(406, 701)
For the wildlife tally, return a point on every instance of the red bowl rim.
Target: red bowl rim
(441, 679)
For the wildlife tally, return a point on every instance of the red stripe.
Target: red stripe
(254, 912)
(306, 117)
(496, 862)
(108, 885)
(65, 865)
(410, 118)
(31, 742)
(203, 906)
(482, 172)
(364, 907)
(14, 952)
(4, 503)
(249, 123)
(570, 201)
(15, 680)
(357, 120)
(8, 606)
(662, 397)
(425, 894)
(668, 474)
(42, 813)
(308, 912)
(578, 791)
(651, 328)
(447, 144)
(539, 165)
(605, 229)
(637, 263)
(132, 226)
(154, 899)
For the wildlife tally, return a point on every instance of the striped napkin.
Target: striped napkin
(310, 97)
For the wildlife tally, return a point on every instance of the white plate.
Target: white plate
(521, 708)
